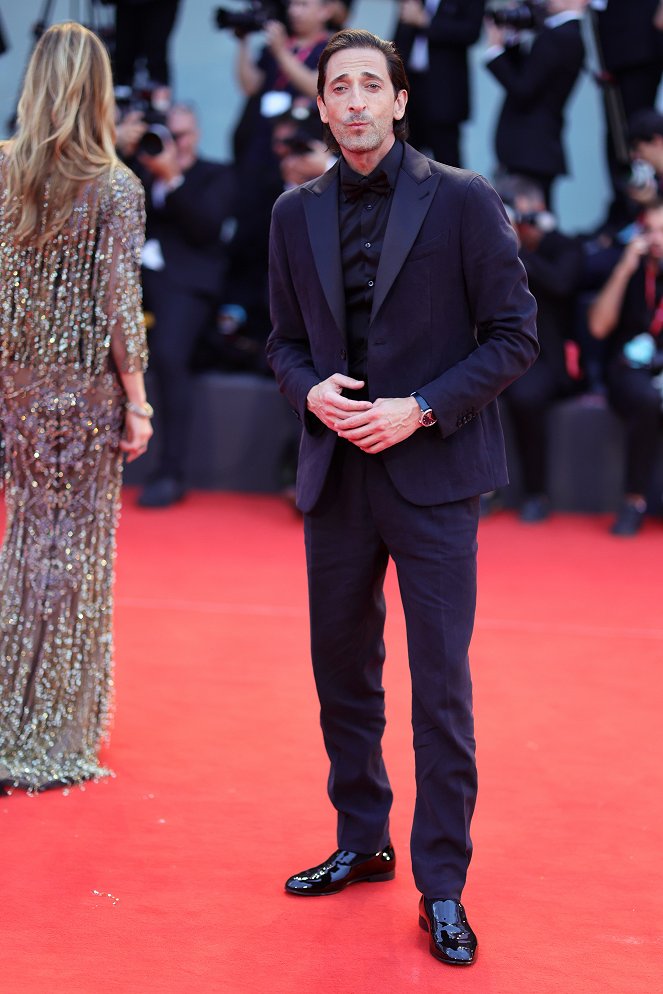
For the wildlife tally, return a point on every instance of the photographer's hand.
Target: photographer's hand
(658, 17)
(130, 130)
(297, 169)
(164, 166)
(277, 38)
(495, 35)
(298, 73)
(414, 14)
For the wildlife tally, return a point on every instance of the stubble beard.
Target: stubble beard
(366, 141)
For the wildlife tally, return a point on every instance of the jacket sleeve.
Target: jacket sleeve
(526, 79)
(503, 309)
(288, 348)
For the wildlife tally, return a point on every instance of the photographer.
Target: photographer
(184, 262)
(285, 72)
(433, 37)
(538, 82)
(553, 262)
(645, 129)
(628, 311)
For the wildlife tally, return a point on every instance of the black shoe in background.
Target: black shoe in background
(534, 509)
(162, 492)
(629, 519)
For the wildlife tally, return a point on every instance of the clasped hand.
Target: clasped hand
(371, 426)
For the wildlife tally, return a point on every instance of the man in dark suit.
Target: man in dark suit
(433, 38)
(400, 310)
(538, 82)
(553, 262)
(188, 199)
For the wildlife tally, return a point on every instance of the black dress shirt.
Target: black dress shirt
(363, 223)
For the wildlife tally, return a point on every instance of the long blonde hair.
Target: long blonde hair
(66, 130)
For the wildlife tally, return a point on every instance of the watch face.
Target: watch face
(428, 419)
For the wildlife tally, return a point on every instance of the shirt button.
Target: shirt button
(370, 283)
(367, 244)
(369, 207)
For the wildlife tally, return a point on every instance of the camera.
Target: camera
(544, 221)
(298, 144)
(518, 16)
(140, 98)
(252, 18)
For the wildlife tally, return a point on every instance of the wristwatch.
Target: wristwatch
(426, 418)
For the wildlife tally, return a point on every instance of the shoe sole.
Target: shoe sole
(375, 879)
(433, 950)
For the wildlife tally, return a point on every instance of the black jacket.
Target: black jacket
(188, 226)
(538, 84)
(454, 28)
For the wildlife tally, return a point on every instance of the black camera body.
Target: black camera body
(525, 16)
(139, 98)
(251, 19)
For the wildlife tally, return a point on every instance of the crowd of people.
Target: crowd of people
(599, 294)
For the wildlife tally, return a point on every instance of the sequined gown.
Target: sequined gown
(70, 318)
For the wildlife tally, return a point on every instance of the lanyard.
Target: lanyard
(650, 298)
(282, 82)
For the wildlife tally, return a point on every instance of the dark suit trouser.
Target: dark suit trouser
(143, 30)
(360, 521)
(180, 319)
(638, 403)
(528, 400)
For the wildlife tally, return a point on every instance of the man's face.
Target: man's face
(184, 129)
(653, 230)
(307, 17)
(359, 103)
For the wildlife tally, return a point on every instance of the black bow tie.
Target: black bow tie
(378, 184)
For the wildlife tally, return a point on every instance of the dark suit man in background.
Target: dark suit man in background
(553, 262)
(538, 82)
(400, 310)
(433, 38)
(188, 199)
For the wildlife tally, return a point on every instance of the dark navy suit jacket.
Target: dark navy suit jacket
(452, 318)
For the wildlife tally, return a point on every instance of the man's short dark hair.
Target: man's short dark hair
(355, 38)
(644, 125)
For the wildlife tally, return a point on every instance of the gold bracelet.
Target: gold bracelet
(142, 410)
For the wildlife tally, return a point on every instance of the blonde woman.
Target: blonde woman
(72, 401)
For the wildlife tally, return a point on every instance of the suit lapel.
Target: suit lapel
(320, 200)
(413, 197)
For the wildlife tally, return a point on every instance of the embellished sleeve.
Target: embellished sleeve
(119, 299)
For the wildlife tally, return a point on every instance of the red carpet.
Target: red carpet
(168, 879)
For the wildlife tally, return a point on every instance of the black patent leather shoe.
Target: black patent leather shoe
(341, 869)
(451, 939)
